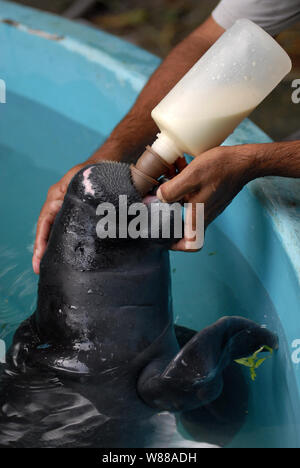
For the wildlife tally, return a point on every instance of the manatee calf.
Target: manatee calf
(101, 357)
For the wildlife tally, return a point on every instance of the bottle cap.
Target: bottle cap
(149, 167)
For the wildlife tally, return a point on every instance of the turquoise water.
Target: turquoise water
(217, 282)
(40, 149)
(37, 147)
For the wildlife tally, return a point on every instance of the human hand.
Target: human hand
(54, 201)
(214, 178)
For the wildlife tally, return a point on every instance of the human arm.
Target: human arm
(217, 176)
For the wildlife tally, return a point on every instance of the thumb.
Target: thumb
(176, 188)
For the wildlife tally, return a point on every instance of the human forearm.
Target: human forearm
(217, 176)
(227, 169)
(273, 159)
(137, 129)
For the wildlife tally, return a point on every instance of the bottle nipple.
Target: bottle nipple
(148, 169)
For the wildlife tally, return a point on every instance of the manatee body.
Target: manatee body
(101, 357)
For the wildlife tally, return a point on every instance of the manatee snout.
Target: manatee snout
(110, 183)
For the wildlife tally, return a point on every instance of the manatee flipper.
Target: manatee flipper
(218, 422)
(194, 378)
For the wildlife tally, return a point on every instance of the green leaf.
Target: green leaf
(244, 362)
(267, 348)
(253, 374)
(260, 350)
(260, 362)
(253, 362)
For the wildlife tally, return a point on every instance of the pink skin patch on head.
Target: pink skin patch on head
(87, 183)
(150, 199)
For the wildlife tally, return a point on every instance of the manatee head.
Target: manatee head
(103, 214)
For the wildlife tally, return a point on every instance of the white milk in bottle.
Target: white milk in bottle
(203, 109)
(223, 88)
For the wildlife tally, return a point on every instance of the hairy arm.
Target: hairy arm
(217, 176)
(137, 129)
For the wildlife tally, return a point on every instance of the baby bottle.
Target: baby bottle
(236, 74)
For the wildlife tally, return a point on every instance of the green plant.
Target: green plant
(254, 362)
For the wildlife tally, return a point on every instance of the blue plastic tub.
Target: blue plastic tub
(67, 87)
